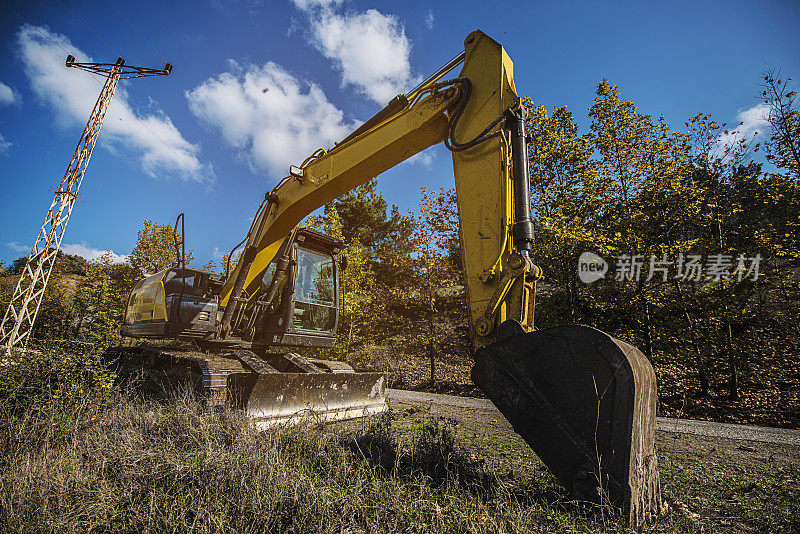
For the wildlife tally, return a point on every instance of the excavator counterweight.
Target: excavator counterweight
(584, 401)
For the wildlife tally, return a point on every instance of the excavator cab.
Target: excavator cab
(305, 309)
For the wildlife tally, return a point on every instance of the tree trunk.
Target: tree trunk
(733, 384)
(350, 339)
(701, 368)
(432, 356)
(572, 297)
(733, 381)
(431, 336)
(648, 330)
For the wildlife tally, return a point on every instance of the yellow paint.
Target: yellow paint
(341, 169)
(482, 173)
(147, 301)
(482, 177)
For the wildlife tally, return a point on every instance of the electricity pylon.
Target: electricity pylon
(17, 325)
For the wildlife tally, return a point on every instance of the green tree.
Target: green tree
(54, 311)
(357, 282)
(363, 214)
(436, 240)
(72, 264)
(727, 177)
(69, 264)
(565, 199)
(101, 298)
(155, 248)
(210, 266)
(377, 244)
(16, 266)
(623, 188)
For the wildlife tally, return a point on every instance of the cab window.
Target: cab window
(315, 306)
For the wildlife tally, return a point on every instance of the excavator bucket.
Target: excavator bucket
(585, 402)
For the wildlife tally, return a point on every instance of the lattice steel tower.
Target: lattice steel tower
(18, 320)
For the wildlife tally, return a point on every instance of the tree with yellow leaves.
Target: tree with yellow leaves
(155, 248)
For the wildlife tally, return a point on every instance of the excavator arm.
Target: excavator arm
(498, 270)
(328, 174)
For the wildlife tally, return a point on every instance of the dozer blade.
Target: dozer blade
(277, 389)
(287, 398)
(586, 404)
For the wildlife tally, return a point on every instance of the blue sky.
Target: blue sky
(209, 141)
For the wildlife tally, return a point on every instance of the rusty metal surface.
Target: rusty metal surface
(269, 398)
(586, 404)
(291, 397)
(333, 366)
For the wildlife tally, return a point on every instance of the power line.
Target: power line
(137, 31)
(96, 79)
(37, 29)
(88, 28)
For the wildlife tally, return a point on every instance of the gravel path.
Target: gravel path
(782, 436)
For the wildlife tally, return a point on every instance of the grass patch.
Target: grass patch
(78, 455)
(178, 467)
(724, 486)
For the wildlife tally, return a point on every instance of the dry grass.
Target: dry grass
(177, 467)
(77, 455)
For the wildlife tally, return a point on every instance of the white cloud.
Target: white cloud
(85, 251)
(76, 249)
(429, 19)
(370, 48)
(72, 94)
(16, 247)
(422, 158)
(267, 111)
(310, 4)
(7, 95)
(754, 122)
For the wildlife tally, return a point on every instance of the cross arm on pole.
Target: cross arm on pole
(124, 71)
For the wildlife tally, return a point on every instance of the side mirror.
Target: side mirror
(343, 262)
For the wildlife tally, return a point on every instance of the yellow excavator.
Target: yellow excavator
(583, 400)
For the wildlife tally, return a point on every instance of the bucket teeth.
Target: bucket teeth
(586, 404)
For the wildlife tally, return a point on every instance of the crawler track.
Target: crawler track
(270, 388)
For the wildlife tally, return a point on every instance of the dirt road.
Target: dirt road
(450, 406)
